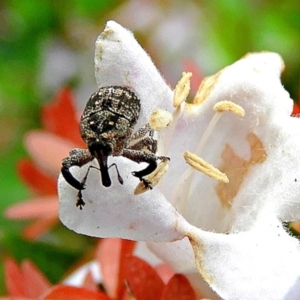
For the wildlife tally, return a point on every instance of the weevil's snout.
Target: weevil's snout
(101, 150)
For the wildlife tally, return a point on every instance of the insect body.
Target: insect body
(106, 127)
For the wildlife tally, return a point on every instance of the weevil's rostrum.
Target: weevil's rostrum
(106, 127)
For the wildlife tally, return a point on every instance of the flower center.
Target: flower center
(194, 160)
(198, 163)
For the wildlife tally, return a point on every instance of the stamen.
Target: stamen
(182, 89)
(181, 92)
(160, 119)
(201, 165)
(153, 178)
(198, 163)
(229, 106)
(208, 131)
(219, 107)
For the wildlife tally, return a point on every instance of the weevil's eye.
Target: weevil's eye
(93, 125)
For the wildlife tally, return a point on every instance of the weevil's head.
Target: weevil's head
(106, 131)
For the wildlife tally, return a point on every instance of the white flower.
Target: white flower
(224, 222)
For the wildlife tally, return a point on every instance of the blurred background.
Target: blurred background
(49, 45)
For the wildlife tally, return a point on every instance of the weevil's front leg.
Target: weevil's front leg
(77, 157)
(145, 144)
(138, 141)
(141, 156)
(141, 132)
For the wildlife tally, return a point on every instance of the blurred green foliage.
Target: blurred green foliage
(239, 27)
(25, 26)
(233, 28)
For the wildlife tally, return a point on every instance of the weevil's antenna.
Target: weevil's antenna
(120, 179)
(119, 176)
(80, 201)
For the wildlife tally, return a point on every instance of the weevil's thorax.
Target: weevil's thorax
(109, 118)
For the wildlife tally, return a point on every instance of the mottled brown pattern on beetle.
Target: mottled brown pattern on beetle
(106, 127)
(110, 112)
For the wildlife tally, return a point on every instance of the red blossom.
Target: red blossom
(60, 117)
(25, 280)
(178, 288)
(64, 292)
(142, 279)
(296, 109)
(111, 255)
(35, 179)
(47, 147)
(190, 65)
(124, 276)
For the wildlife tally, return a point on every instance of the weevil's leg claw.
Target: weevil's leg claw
(147, 183)
(80, 203)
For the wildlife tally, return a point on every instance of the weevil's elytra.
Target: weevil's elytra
(106, 127)
(110, 115)
(118, 100)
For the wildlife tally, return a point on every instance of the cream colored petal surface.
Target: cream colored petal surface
(116, 211)
(263, 263)
(258, 152)
(120, 60)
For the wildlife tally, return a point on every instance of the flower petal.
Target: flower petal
(42, 207)
(78, 277)
(14, 279)
(39, 227)
(111, 255)
(31, 274)
(142, 279)
(64, 292)
(60, 118)
(120, 60)
(178, 288)
(89, 282)
(19, 280)
(180, 256)
(164, 271)
(116, 211)
(47, 150)
(263, 261)
(258, 152)
(35, 178)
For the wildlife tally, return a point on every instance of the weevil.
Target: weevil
(106, 126)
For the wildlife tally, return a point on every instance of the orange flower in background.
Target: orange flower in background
(296, 109)
(124, 276)
(46, 147)
(28, 282)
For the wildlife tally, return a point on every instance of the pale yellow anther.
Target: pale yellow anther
(182, 89)
(201, 165)
(229, 106)
(160, 119)
(153, 178)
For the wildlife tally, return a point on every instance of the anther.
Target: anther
(201, 165)
(219, 107)
(229, 106)
(153, 178)
(160, 119)
(182, 89)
